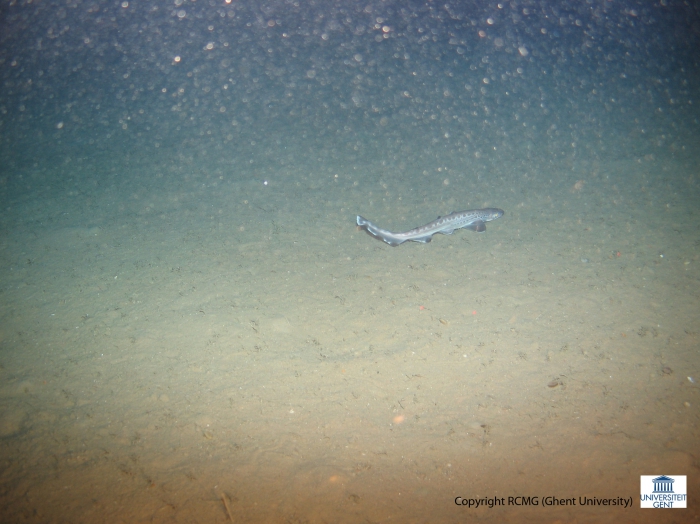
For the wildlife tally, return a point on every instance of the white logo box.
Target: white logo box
(663, 491)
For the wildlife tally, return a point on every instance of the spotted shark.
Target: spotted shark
(474, 219)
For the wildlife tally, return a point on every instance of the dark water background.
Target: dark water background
(318, 84)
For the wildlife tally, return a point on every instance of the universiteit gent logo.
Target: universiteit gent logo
(663, 491)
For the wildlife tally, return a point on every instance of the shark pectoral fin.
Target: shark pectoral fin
(479, 226)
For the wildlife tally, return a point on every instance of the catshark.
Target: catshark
(474, 219)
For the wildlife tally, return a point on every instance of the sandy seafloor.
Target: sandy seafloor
(177, 334)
